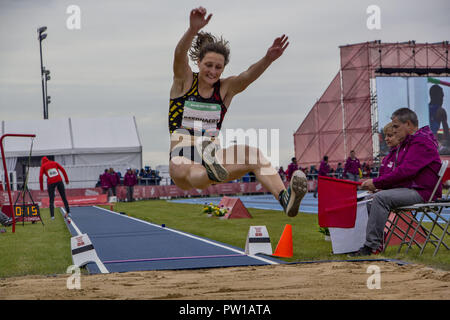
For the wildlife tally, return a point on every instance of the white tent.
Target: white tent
(93, 142)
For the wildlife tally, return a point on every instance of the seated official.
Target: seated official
(415, 173)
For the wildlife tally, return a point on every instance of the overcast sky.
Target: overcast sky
(120, 60)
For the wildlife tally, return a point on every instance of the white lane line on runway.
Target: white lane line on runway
(97, 260)
(72, 223)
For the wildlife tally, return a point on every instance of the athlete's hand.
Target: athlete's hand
(276, 50)
(197, 18)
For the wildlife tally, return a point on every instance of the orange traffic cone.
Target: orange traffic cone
(284, 247)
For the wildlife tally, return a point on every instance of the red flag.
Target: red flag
(446, 176)
(337, 202)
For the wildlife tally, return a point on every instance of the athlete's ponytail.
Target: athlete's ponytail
(205, 42)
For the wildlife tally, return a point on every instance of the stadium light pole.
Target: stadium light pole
(42, 36)
(47, 99)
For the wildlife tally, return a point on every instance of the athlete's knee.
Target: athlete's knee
(177, 171)
(180, 176)
(180, 181)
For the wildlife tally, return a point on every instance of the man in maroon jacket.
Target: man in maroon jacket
(416, 166)
(105, 183)
(352, 166)
(114, 180)
(51, 170)
(130, 180)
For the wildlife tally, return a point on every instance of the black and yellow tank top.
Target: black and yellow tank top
(195, 114)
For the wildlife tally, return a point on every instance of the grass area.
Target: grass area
(35, 249)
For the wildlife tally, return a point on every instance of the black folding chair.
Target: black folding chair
(414, 218)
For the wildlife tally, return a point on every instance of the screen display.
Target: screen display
(429, 97)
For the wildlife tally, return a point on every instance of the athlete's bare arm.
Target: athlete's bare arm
(182, 73)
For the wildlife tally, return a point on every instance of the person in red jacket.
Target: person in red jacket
(52, 169)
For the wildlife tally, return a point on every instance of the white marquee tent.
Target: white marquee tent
(77, 144)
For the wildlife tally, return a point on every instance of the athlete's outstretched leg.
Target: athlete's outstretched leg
(187, 175)
(240, 159)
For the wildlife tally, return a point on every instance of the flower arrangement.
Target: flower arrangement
(214, 210)
(325, 231)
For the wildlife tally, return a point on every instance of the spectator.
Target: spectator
(98, 183)
(154, 177)
(141, 176)
(374, 172)
(365, 169)
(388, 163)
(412, 180)
(305, 170)
(282, 174)
(339, 171)
(105, 183)
(292, 167)
(313, 172)
(352, 167)
(54, 181)
(130, 180)
(119, 177)
(147, 172)
(114, 180)
(324, 169)
(158, 177)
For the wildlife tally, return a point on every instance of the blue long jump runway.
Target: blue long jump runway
(126, 244)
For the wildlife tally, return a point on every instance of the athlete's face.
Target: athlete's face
(211, 67)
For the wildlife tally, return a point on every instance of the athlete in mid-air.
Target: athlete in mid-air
(198, 104)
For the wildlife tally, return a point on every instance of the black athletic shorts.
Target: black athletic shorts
(188, 152)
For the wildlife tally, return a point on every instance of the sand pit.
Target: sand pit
(331, 280)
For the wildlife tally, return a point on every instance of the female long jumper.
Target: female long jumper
(198, 104)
